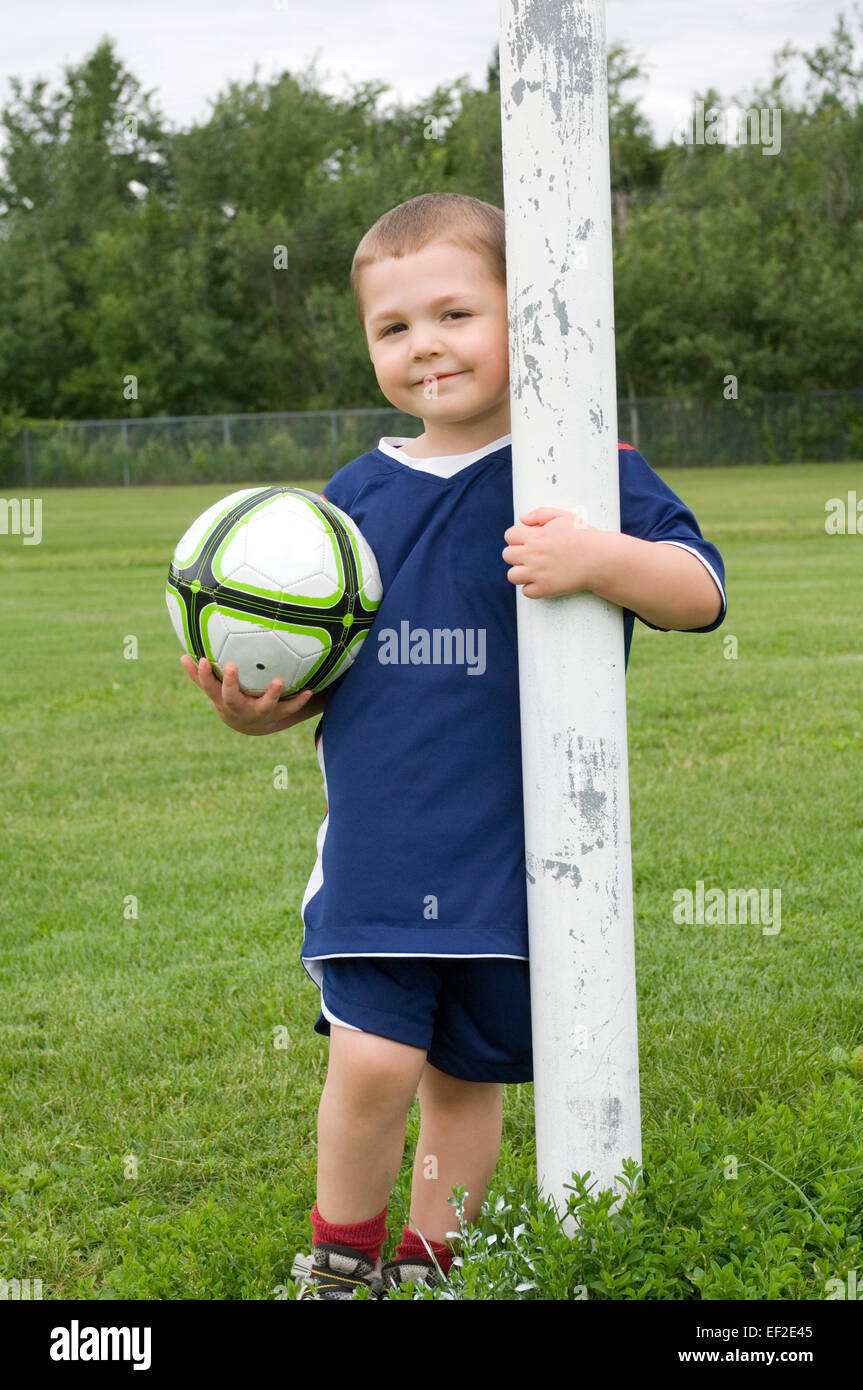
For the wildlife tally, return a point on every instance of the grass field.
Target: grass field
(160, 1072)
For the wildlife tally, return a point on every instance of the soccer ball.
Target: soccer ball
(277, 581)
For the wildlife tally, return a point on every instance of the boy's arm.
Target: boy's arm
(660, 582)
(554, 552)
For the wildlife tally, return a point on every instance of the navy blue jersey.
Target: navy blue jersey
(422, 848)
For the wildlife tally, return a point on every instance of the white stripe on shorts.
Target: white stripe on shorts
(332, 1018)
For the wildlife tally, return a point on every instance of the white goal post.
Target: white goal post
(557, 203)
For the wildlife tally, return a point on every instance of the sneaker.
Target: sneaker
(413, 1270)
(336, 1271)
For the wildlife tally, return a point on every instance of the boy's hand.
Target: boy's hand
(553, 552)
(248, 714)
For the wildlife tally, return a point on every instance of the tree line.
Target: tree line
(131, 250)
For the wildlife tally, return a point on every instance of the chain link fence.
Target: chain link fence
(671, 432)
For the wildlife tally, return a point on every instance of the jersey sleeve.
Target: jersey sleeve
(342, 490)
(650, 510)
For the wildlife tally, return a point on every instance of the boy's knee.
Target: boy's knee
(375, 1066)
(440, 1090)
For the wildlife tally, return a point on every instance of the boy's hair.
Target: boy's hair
(452, 217)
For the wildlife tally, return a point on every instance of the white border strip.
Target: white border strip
(681, 545)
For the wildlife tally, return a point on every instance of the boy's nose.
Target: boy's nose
(424, 341)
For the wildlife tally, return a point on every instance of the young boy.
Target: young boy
(415, 914)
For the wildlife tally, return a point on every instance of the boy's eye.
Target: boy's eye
(461, 313)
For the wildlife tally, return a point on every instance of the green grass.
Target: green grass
(155, 1142)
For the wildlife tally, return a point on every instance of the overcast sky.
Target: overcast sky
(187, 51)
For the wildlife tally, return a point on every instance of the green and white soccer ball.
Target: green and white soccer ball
(278, 582)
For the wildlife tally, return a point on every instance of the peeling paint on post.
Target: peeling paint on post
(557, 199)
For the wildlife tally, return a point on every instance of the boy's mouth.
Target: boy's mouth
(437, 376)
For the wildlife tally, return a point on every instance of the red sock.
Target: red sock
(410, 1246)
(366, 1236)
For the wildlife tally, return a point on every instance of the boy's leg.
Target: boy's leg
(370, 1084)
(461, 1123)
(482, 1026)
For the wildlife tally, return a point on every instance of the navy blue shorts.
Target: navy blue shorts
(472, 1016)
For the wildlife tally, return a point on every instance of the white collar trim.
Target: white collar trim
(444, 466)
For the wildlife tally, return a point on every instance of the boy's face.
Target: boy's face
(436, 327)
